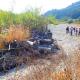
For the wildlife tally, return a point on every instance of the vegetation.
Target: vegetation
(17, 26)
(72, 11)
(29, 19)
(17, 33)
(70, 70)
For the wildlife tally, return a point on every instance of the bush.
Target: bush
(18, 33)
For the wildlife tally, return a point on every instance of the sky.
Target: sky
(19, 6)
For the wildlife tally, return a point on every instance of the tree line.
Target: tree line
(29, 18)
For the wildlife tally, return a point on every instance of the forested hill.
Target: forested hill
(72, 11)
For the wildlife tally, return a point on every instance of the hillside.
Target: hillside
(72, 11)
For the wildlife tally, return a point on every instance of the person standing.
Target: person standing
(71, 31)
(76, 31)
(67, 29)
(79, 32)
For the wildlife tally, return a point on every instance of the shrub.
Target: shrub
(17, 33)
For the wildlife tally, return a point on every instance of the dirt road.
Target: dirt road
(69, 43)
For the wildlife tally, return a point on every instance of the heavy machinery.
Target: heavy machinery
(43, 41)
(16, 52)
(47, 46)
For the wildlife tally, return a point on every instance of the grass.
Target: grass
(15, 32)
(44, 69)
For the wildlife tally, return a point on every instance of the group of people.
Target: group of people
(73, 31)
